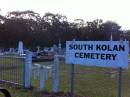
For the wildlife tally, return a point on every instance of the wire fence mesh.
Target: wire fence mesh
(89, 81)
(11, 70)
(94, 81)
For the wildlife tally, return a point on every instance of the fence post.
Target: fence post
(72, 80)
(56, 62)
(35, 71)
(120, 83)
(42, 81)
(56, 79)
(27, 70)
(46, 73)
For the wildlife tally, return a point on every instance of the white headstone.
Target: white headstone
(59, 47)
(20, 48)
(55, 48)
(111, 37)
(38, 49)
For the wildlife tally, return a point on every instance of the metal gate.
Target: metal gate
(16, 70)
(12, 69)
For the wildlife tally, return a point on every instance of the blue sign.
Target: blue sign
(98, 53)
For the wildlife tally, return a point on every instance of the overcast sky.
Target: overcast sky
(115, 10)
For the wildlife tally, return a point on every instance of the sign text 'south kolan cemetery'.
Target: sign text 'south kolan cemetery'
(98, 53)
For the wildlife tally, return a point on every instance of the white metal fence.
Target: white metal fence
(16, 70)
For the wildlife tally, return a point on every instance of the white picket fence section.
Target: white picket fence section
(43, 71)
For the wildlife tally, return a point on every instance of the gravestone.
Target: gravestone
(20, 48)
(38, 49)
(59, 47)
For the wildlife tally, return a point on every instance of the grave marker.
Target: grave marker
(20, 48)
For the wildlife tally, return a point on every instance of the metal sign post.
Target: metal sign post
(120, 83)
(72, 80)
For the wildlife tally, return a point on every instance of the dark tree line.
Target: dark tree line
(34, 30)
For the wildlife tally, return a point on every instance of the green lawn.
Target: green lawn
(89, 82)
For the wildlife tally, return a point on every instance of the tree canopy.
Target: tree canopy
(34, 30)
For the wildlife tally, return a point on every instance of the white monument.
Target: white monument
(20, 48)
(59, 47)
(38, 49)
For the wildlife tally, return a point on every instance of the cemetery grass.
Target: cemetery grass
(11, 66)
(89, 82)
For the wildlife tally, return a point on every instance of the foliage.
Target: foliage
(34, 30)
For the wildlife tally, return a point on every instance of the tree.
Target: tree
(127, 35)
(24, 24)
(56, 26)
(34, 31)
(109, 28)
(93, 30)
